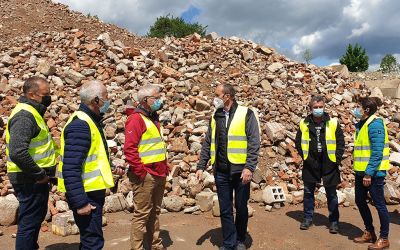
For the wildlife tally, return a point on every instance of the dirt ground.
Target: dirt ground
(267, 230)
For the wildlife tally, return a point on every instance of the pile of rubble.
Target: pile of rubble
(20, 19)
(188, 69)
(373, 76)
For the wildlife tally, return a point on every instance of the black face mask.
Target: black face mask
(46, 100)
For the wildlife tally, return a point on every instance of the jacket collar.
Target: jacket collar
(231, 110)
(362, 122)
(38, 106)
(95, 117)
(140, 110)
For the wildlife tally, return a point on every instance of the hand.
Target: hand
(86, 210)
(44, 180)
(367, 181)
(118, 171)
(199, 175)
(246, 176)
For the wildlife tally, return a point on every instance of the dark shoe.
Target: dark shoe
(240, 246)
(306, 224)
(334, 228)
(367, 237)
(379, 244)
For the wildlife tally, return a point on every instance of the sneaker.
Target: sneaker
(306, 224)
(240, 246)
(334, 228)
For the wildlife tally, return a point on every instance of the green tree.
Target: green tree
(307, 56)
(389, 64)
(356, 59)
(174, 26)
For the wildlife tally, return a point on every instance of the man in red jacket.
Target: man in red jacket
(146, 153)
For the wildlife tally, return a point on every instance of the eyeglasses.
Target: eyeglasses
(154, 97)
(101, 99)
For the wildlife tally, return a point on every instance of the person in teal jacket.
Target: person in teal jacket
(372, 180)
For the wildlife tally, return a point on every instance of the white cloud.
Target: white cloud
(334, 63)
(358, 32)
(354, 10)
(397, 56)
(373, 67)
(307, 41)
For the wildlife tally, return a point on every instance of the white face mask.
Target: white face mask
(218, 103)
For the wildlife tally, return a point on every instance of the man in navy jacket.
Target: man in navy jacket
(87, 206)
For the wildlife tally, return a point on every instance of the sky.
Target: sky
(325, 27)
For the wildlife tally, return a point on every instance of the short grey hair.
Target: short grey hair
(91, 90)
(146, 91)
(316, 98)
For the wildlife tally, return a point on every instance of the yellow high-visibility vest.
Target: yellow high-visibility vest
(152, 147)
(96, 170)
(330, 138)
(42, 148)
(362, 148)
(237, 138)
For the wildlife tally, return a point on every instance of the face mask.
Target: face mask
(357, 113)
(157, 104)
(46, 100)
(318, 112)
(218, 103)
(105, 107)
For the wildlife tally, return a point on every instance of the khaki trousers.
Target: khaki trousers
(147, 199)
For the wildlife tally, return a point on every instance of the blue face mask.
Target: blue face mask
(156, 105)
(105, 107)
(357, 113)
(318, 112)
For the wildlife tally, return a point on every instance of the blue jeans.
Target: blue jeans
(309, 201)
(377, 194)
(90, 226)
(33, 200)
(232, 231)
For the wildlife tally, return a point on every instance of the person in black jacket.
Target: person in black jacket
(86, 206)
(31, 183)
(320, 142)
(233, 165)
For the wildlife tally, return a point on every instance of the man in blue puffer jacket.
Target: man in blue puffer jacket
(371, 161)
(87, 205)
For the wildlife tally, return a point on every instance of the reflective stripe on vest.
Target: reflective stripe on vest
(362, 148)
(152, 147)
(330, 138)
(96, 170)
(42, 148)
(237, 139)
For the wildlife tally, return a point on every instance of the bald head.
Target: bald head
(92, 89)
